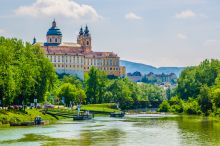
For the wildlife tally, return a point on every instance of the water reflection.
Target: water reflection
(153, 130)
(199, 131)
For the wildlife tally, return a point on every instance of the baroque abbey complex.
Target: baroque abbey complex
(78, 58)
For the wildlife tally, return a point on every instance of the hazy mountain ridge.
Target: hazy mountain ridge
(145, 69)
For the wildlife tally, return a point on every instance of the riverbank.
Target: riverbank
(17, 117)
(132, 130)
(101, 108)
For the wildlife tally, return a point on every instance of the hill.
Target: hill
(145, 69)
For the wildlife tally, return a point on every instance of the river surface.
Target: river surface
(132, 130)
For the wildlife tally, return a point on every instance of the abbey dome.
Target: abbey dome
(54, 30)
(77, 58)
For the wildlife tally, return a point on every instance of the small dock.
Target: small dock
(37, 121)
(83, 117)
(74, 116)
(118, 114)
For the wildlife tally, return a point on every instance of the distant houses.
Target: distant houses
(136, 76)
(153, 78)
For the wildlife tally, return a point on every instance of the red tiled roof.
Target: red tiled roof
(100, 54)
(72, 48)
(63, 50)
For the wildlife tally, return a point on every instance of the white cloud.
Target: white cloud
(132, 16)
(212, 43)
(186, 14)
(191, 2)
(2, 31)
(52, 8)
(182, 36)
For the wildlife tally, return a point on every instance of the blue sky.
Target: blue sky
(155, 32)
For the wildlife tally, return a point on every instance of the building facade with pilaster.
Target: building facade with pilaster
(77, 58)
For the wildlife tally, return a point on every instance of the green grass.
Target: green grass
(99, 108)
(105, 107)
(16, 116)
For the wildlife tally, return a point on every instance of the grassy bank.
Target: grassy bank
(97, 108)
(8, 117)
(16, 116)
(105, 108)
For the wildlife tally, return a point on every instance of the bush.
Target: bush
(164, 106)
(176, 104)
(191, 107)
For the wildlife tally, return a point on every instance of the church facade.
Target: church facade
(77, 58)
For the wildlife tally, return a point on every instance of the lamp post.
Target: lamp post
(35, 102)
(117, 105)
(78, 109)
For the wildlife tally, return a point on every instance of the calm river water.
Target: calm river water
(133, 130)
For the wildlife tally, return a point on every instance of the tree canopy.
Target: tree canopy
(199, 88)
(25, 72)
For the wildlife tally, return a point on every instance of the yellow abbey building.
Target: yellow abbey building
(78, 58)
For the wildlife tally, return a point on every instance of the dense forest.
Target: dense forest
(26, 74)
(98, 88)
(198, 90)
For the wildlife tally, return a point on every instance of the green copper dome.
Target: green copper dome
(54, 30)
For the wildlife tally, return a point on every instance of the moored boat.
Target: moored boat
(117, 114)
(83, 116)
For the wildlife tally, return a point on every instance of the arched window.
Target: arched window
(56, 40)
(87, 42)
(50, 40)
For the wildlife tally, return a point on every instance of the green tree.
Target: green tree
(121, 94)
(164, 106)
(95, 86)
(201, 82)
(152, 93)
(80, 96)
(191, 106)
(204, 100)
(176, 104)
(92, 86)
(168, 93)
(188, 86)
(68, 91)
(25, 72)
(73, 80)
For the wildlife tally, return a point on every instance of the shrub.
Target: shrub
(164, 106)
(191, 107)
(176, 104)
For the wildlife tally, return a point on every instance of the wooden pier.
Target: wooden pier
(74, 116)
(118, 114)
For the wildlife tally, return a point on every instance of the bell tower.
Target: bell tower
(54, 35)
(84, 39)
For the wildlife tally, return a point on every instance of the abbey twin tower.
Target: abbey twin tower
(78, 58)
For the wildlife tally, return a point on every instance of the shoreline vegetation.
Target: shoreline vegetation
(10, 118)
(197, 92)
(13, 117)
(23, 87)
